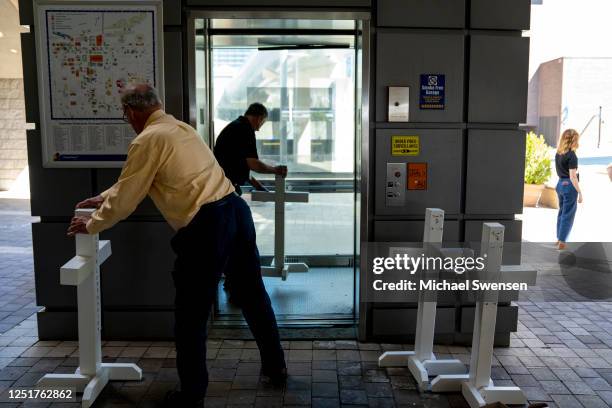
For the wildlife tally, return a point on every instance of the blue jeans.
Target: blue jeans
(220, 239)
(568, 201)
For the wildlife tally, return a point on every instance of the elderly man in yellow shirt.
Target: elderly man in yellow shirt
(215, 234)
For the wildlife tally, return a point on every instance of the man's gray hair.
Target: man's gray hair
(141, 97)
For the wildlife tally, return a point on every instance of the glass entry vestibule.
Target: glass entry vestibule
(308, 73)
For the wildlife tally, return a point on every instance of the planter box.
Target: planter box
(531, 194)
(549, 198)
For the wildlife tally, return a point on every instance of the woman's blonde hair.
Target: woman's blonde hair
(568, 141)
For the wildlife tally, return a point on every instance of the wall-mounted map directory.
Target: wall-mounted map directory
(88, 52)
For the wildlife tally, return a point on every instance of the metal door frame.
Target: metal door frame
(362, 168)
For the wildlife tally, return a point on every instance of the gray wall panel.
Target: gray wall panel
(507, 317)
(409, 299)
(30, 80)
(441, 150)
(116, 325)
(411, 231)
(26, 12)
(54, 192)
(52, 249)
(398, 322)
(421, 13)
(500, 14)
(173, 74)
(136, 325)
(500, 339)
(138, 273)
(498, 79)
(495, 171)
(401, 58)
(107, 177)
(55, 325)
(172, 12)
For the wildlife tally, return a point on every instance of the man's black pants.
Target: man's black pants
(220, 239)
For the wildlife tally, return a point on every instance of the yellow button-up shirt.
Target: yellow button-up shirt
(169, 161)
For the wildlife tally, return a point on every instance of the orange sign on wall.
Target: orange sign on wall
(417, 176)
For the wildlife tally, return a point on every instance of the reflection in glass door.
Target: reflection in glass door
(307, 82)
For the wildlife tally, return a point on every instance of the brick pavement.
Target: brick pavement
(17, 298)
(558, 355)
(561, 354)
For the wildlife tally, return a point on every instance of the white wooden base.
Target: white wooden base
(58, 381)
(472, 395)
(475, 397)
(272, 271)
(449, 383)
(91, 387)
(438, 367)
(505, 395)
(122, 371)
(421, 370)
(395, 358)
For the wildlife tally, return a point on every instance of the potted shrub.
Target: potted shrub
(537, 168)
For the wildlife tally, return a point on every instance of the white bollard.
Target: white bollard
(280, 197)
(83, 271)
(422, 362)
(477, 387)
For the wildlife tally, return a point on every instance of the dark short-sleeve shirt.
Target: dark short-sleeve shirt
(565, 162)
(235, 144)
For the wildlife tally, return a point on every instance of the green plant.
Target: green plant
(537, 159)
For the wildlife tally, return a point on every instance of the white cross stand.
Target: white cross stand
(422, 362)
(83, 271)
(477, 387)
(279, 268)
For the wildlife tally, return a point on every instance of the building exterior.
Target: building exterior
(470, 144)
(568, 93)
(13, 153)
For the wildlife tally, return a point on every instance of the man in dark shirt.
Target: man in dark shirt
(236, 150)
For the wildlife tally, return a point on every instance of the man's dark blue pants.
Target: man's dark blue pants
(220, 239)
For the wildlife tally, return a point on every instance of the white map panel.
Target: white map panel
(93, 54)
(88, 52)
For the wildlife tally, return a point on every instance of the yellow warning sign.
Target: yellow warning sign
(405, 146)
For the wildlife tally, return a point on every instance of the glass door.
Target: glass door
(308, 83)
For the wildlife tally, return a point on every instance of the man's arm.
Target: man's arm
(255, 183)
(121, 199)
(258, 166)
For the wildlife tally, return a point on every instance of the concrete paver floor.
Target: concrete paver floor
(561, 353)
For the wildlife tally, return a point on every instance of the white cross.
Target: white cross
(477, 386)
(280, 196)
(422, 362)
(83, 271)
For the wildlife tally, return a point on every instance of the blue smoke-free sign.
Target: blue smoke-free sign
(432, 91)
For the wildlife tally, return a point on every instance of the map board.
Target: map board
(88, 51)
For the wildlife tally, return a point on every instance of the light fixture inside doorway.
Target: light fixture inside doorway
(272, 45)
